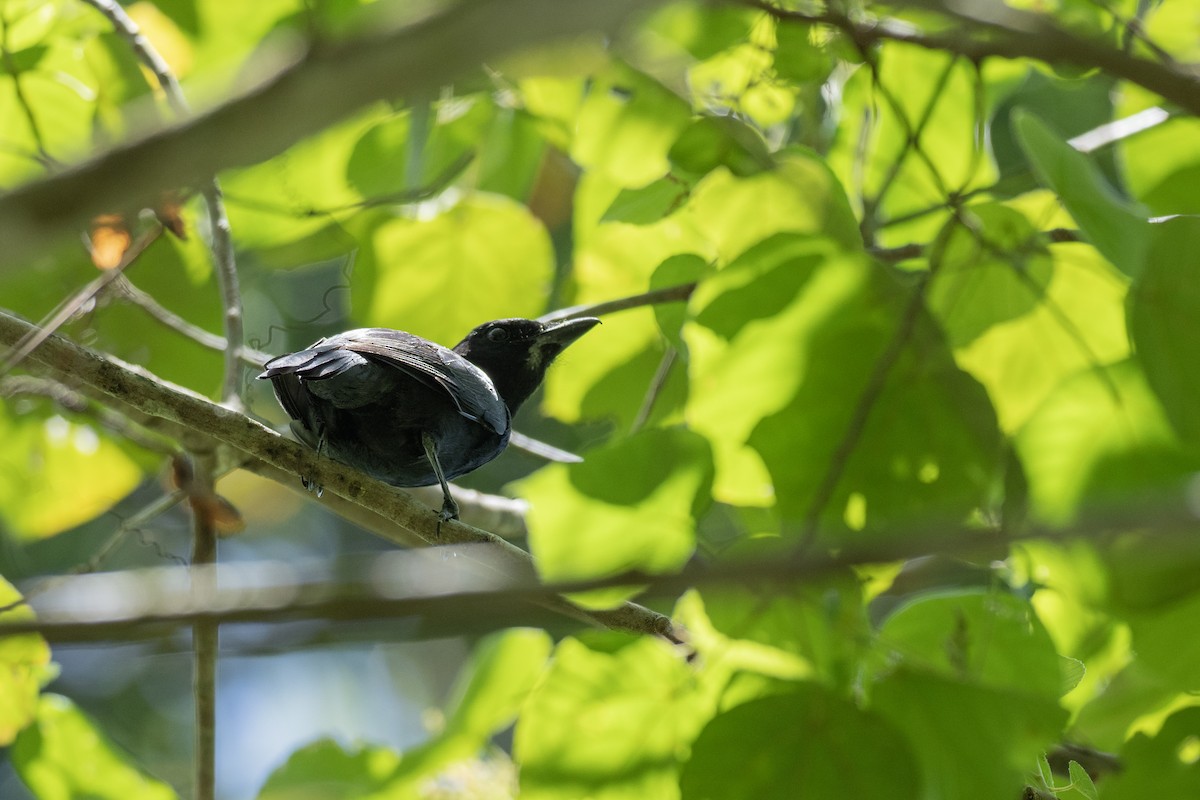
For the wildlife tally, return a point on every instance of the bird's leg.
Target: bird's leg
(310, 485)
(449, 507)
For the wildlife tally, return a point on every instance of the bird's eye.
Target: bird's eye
(497, 335)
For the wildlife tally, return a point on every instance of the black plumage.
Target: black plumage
(411, 412)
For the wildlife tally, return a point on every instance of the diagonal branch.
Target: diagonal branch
(149, 395)
(670, 294)
(145, 301)
(71, 306)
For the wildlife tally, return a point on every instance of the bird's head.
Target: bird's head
(516, 352)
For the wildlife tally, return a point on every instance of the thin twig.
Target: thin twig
(912, 138)
(655, 388)
(862, 412)
(671, 294)
(73, 401)
(1008, 34)
(145, 301)
(411, 196)
(10, 65)
(136, 521)
(69, 307)
(220, 240)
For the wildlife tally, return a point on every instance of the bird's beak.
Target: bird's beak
(564, 332)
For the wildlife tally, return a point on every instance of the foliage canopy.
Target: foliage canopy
(912, 411)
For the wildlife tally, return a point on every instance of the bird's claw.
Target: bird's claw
(312, 486)
(449, 511)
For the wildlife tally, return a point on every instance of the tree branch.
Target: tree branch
(205, 643)
(447, 594)
(220, 240)
(1010, 34)
(670, 294)
(135, 387)
(145, 301)
(304, 97)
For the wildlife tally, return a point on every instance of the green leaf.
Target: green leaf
(1160, 648)
(1082, 781)
(1101, 438)
(608, 725)
(702, 30)
(46, 459)
(226, 36)
(378, 164)
(626, 126)
(24, 667)
(872, 139)
(817, 631)
(928, 443)
(711, 142)
(1073, 671)
(799, 195)
(650, 203)
(64, 756)
(119, 80)
(799, 744)
(783, 345)
(746, 340)
(60, 93)
(593, 380)
(676, 271)
(1148, 570)
(1164, 307)
(485, 258)
(326, 770)
(990, 639)
(993, 269)
(22, 60)
(970, 740)
(1075, 320)
(511, 157)
(768, 646)
(797, 59)
(287, 198)
(1163, 765)
(1116, 227)
(1161, 164)
(742, 80)
(494, 684)
(631, 505)
(1045, 773)
(492, 688)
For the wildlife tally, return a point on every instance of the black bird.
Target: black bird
(413, 413)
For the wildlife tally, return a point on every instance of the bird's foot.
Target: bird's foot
(312, 486)
(449, 511)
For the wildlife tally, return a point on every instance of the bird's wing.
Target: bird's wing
(467, 385)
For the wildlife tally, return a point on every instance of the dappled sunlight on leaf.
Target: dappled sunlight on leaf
(64, 755)
(58, 474)
(631, 505)
(485, 258)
